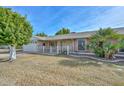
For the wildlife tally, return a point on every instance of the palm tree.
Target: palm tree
(106, 42)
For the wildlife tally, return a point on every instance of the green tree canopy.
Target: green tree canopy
(42, 34)
(15, 30)
(106, 42)
(63, 31)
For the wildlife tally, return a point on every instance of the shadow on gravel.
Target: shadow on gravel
(119, 63)
(87, 62)
(75, 63)
(4, 60)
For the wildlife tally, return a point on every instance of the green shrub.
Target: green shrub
(101, 43)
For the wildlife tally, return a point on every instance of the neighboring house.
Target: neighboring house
(73, 42)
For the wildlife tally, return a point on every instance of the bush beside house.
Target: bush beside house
(106, 42)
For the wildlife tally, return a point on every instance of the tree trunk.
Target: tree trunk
(12, 56)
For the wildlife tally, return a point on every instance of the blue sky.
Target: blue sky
(50, 19)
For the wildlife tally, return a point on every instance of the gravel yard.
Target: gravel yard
(33, 69)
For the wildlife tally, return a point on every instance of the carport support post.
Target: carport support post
(50, 49)
(67, 50)
(57, 49)
(43, 49)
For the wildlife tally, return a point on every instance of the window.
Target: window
(121, 50)
(81, 44)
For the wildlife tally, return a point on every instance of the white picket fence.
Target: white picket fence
(30, 48)
(34, 48)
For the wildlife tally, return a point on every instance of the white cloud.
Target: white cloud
(111, 18)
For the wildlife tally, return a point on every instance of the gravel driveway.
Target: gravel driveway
(4, 53)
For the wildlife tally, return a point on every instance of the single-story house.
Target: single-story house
(71, 42)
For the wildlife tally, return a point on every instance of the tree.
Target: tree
(106, 42)
(41, 34)
(15, 30)
(63, 31)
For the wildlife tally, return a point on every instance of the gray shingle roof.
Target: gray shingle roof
(76, 35)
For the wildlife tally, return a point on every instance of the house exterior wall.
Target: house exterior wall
(64, 43)
(72, 43)
(41, 43)
(76, 45)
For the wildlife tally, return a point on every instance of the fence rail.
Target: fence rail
(47, 49)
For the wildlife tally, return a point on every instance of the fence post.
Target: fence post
(43, 49)
(67, 50)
